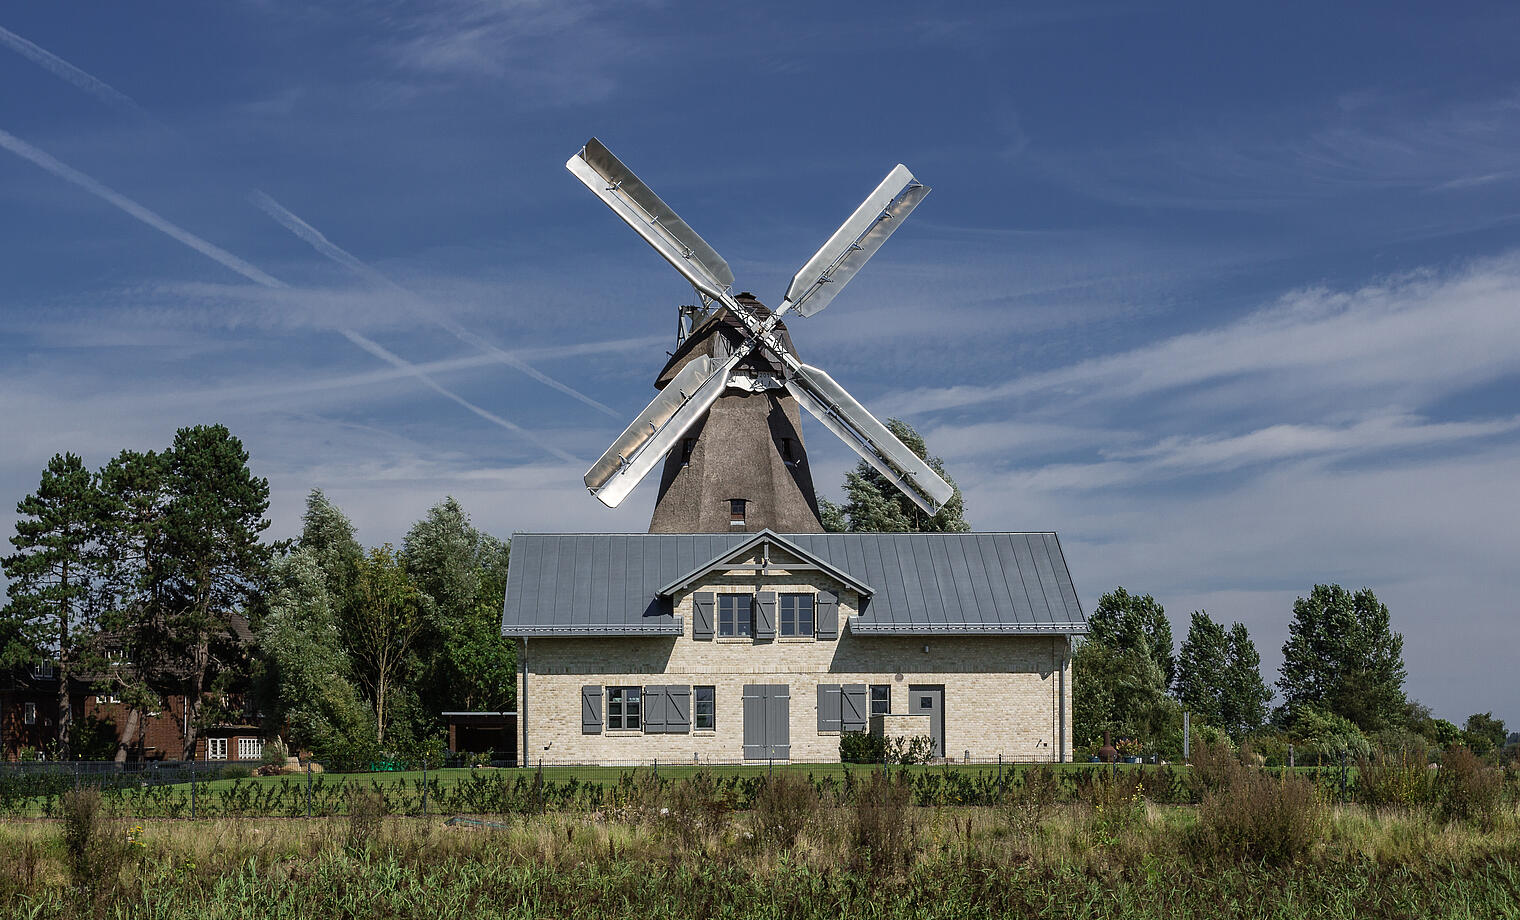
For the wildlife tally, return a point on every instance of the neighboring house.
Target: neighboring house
(724, 647)
(29, 711)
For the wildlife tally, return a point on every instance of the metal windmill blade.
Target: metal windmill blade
(693, 392)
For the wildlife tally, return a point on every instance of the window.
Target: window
(623, 705)
(29, 713)
(112, 698)
(788, 454)
(117, 657)
(881, 699)
(250, 748)
(735, 614)
(796, 614)
(703, 709)
(736, 512)
(216, 748)
(43, 669)
(686, 446)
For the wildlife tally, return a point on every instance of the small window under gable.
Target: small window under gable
(736, 512)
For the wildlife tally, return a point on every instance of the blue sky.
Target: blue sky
(1227, 297)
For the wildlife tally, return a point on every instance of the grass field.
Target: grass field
(1255, 845)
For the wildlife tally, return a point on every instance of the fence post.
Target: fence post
(1000, 775)
(424, 785)
(308, 787)
(538, 787)
(1343, 776)
(192, 790)
(657, 768)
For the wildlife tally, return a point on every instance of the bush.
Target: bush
(91, 855)
(1118, 805)
(883, 835)
(1030, 802)
(1466, 789)
(366, 807)
(1252, 815)
(1396, 778)
(918, 749)
(234, 771)
(783, 806)
(275, 754)
(862, 747)
(696, 808)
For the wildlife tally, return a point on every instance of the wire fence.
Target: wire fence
(193, 790)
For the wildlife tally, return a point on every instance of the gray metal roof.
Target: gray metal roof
(923, 583)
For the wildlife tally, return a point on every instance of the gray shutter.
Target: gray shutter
(828, 707)
(678, 709)
(855, 704)
(778, 729)
(591, 710)
(765, 623)
(754, 722)
(826, 615)
(702, 614)
(654, 710)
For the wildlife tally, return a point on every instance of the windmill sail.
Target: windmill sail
(680, 405)
(842, 414)
(651, 218)
(852, 245)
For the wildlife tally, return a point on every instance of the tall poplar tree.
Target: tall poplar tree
(50, 577)
(1200, 667)
(1122, 620)
(1343, 657)
(1243, 695)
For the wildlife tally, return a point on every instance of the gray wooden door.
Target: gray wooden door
(930, 701)
(767, 728)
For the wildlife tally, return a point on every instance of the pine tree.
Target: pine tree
(214, 559)
(874, 505)
(1342, 657)
(50, 574)
(1243, 695)
(1201, 667)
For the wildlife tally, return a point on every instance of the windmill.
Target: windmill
(736, 350)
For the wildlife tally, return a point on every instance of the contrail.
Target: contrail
(66, 71)
(319, 241)
(217, 254)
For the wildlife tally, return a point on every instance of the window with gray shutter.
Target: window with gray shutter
(754, 722)
(854, 707)
(654, 710)
(678, 709)
(591, 710)
(827, 615)
(828, 707)
(765, 621)
(702, 604)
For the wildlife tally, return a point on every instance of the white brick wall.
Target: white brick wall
(1003, 694)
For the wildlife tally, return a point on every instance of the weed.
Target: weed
(1466, 789)
(1254, 815)
(882, 831)
(784, 804)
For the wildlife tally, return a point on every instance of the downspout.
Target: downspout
(522, 703)
(1061, 702)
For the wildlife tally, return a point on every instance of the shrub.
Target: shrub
(1466, 789)
(883, 835)
(696, 808)
(862, 747)
(783, 806)
(1118, 805)
(91, 855)
(1252, 815)
(366, 807)
(275, 754)
(900, 750)
(1030, 802)
(234, 771)
(1394, 778)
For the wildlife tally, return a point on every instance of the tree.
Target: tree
(1124, 620)
(380, 626)
(1343, 657)
(131, 589)
(1201, 667)
(467, 663)
(50, 576)
(1243, 695)
(1483, 734)
(1121, 691)
(306, 678)
(328, 535)
(214, 560)
(874, 505)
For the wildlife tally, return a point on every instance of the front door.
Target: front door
(930, 701)
(767, 730)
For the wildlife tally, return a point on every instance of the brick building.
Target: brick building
(744, 646)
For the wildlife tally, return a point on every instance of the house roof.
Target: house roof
(723, 562)
(919, 583)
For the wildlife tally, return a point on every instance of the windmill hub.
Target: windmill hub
(726, 420)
